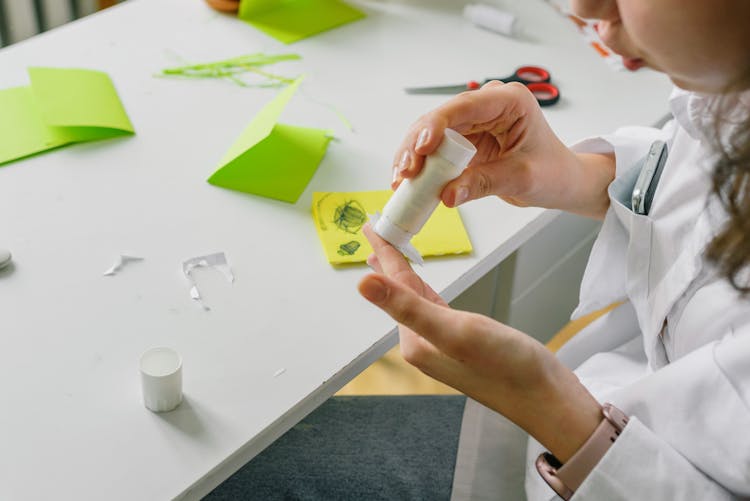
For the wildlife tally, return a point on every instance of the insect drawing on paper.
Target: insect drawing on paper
(350, 216)
(349, 248)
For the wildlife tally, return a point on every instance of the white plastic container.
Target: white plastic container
(415, 199)
(493, 19)
(161, 379)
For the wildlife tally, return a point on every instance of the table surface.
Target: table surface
(291, 329)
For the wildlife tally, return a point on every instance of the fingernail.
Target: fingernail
(373, 289)
(462, 195)
(424, 136)
(395, 174)
(403, 164)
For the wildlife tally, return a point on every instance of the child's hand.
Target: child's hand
(519, 158)
(496, 365)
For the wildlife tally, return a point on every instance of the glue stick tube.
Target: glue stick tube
(415, 199)
(493, 19)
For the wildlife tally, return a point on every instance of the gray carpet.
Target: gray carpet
(358, 448)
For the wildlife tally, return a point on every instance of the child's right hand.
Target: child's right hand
(519, 158)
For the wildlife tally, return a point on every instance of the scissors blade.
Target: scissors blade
(445, 89)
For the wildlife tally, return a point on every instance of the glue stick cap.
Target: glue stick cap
(456, 149)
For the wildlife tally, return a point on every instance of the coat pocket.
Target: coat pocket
(639, 228)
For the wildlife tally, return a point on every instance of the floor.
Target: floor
(391, 375)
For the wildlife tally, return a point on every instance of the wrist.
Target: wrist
(563, 414)
(566, 477)
(589, 175)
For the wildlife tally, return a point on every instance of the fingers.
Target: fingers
(504, 178)
(389, 258)
(419, 142)
(495, 107)
(436, 323)
(374, 263)
(389, 261)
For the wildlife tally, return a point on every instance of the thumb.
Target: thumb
(482, 180)
(407, 307)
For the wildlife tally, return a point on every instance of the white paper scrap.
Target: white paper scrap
(408, 250)
(120, 263)
(279, 372)
(218, 261)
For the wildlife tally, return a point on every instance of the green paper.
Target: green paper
(78, 98)
(271, 159)
(292, 20)
(61, 106)
(22, 130)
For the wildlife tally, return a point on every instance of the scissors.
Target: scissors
(535, 78)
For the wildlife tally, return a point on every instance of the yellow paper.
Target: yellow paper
(339, 218)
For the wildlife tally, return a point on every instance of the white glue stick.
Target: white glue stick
(493, 19)
(415, 199)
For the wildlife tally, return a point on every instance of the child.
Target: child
(674, 359)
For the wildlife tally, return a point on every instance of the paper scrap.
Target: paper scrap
(339, 217)
(279, 372)
(292, 20)
(217, 260)
(230, 68)
(271, 159)
(60, 107)
(408, 249)
(121, 261)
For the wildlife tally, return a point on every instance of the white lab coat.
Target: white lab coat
(675, 357)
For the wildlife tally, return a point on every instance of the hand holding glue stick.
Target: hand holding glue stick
(415, 199)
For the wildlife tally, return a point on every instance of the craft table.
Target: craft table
(291, 330)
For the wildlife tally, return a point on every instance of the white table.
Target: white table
(72, 425)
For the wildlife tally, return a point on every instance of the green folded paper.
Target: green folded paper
(292, 20)
(271, 159)
(61, 106)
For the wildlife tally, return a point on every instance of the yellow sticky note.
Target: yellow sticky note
(339, 217)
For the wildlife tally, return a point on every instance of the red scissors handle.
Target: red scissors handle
(544, 92)
(531, 74)
(537, 80)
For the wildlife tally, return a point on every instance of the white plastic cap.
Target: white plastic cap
(456, 149)
(492, 18)
(161, 379)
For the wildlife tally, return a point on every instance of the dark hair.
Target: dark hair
(730, 249)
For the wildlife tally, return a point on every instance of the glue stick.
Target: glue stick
(415, 199)
(493, 19)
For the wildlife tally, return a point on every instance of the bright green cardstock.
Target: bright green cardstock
(22, 130)
(292, 20)
(61, 106)
(272, 159)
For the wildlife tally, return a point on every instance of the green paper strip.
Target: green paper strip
(230, 68)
